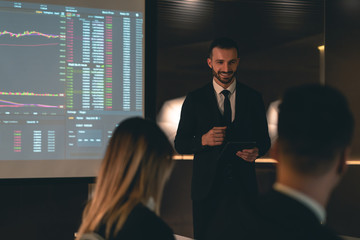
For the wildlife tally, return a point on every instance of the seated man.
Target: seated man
(315, 129)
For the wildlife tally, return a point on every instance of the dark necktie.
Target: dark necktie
(227, 107)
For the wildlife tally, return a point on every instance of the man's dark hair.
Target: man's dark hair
(315, 125)
(223, 43)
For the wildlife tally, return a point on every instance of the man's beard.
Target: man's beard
(223, 81)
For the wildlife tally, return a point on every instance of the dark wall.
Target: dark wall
(342, 34)
(150, 58)
(278, 43)
(342, 55)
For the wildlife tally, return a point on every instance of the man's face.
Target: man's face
(224, 63)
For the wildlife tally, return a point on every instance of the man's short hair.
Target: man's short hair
(223, 43)
(315, 125)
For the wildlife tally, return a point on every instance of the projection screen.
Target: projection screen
(70, 72)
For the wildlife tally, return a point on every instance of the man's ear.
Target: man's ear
(342, 165)
(209, 62)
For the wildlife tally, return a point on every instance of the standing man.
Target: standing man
(222, 111)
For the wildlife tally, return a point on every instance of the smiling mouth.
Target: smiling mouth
(226, 74)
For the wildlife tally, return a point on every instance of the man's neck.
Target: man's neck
(318, 189)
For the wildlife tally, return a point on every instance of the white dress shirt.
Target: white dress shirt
(220, 97)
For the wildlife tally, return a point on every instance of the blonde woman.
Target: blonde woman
(126, 199)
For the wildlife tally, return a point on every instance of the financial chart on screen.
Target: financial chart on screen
(68, 76)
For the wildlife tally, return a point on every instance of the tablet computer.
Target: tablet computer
(231, 148)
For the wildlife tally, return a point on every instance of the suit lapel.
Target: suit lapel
(212, 105)
(240, 103)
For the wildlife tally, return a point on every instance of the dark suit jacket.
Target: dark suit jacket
(283, 217)
(276, 216)
(199, 114)
(142, 224)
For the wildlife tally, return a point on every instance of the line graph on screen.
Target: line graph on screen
(29, 33)
(15, 36)
(4, 103)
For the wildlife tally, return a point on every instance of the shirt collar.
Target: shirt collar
(150, 204)
(314, 206)
(219, 89)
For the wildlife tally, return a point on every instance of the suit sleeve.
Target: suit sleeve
(186, 139)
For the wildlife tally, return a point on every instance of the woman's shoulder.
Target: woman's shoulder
(143, 223)
(141, 213)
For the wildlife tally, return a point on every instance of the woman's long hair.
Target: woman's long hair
(135, 168)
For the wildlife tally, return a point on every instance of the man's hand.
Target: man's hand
(214, 137)
(248, 155)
